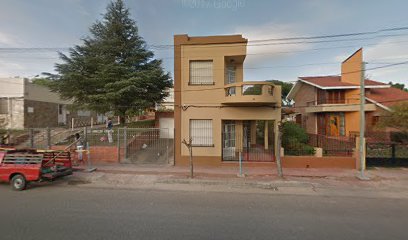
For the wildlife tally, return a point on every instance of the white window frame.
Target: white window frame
(201, 132)
(201, 72)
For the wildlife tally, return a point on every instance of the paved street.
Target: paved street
(72, 212)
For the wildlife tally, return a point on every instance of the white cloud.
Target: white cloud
(388, 49)
(9, 69)
(8, 40)
(260, 51)
(323, 70)
(384, 52)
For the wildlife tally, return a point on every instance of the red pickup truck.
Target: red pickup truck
(19, 167)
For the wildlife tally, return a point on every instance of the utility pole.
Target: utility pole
(362, 123)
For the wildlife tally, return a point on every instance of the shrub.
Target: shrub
(295, 140)
(400, 137)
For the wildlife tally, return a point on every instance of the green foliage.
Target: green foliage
(286, 87)
(112, 70)
(398, 118)
(295, 140)
(42, 81)
(400, 137)
(400, 86)
(252, 90)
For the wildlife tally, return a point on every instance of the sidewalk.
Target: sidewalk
(251, 172)
(383, 182)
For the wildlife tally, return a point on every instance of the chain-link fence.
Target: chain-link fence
(120, 145)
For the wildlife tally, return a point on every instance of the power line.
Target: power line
(163, 46)
(248, 54)
(336, 35)
(214, 88)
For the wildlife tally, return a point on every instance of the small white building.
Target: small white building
(27, 105)
(167, 103)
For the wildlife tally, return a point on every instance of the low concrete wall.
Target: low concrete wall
(318, 162)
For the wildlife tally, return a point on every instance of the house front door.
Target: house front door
(228, 150)
(334, 125)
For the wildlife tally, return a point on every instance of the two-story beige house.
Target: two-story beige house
(330, 105)
(225, 116)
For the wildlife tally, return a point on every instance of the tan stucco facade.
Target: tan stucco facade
(210, 102)
(351, 68)
(307, 94)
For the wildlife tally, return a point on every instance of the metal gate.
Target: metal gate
(145, 146)
(387, 155)
(247, 142)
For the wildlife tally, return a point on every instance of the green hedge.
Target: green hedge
(295, 140)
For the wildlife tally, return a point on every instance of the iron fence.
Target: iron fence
(386, 154)
(308, 145)
(333, 145)
(125, 145)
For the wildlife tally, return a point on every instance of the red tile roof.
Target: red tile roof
(387, 96)
(335, 81)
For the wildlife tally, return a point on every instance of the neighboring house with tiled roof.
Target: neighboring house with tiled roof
(330, 105)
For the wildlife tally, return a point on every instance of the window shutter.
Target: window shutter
(201, 132)
(201, 73)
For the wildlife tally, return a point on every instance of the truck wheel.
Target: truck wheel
(18, 182)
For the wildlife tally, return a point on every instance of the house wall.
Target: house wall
(12, 116)
(217, 115)
(45, 114)
(306, 94)
(12, 87)
(369, 118)
(351, 68)
(209, 97)
(35, 92)
(352, 122)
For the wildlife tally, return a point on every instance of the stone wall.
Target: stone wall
(44, 114)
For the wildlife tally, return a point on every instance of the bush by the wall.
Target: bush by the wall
(295, 139)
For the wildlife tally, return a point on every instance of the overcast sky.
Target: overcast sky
(62, 23)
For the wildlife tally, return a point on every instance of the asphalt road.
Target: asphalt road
(61, 212)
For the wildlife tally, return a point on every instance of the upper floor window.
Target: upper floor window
(201, 73)
(230, 77)
(330, 96)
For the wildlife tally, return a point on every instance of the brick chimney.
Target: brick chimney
(351, 68)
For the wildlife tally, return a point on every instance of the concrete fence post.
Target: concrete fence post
(318, 152)
(125, 142)
(31, 136)
(85, 134)
(72, 123)
(48, 138)
(118, 144)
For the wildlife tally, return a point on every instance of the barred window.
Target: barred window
(201, 72)
(201, 132)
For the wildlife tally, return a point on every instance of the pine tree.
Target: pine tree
(112, 70)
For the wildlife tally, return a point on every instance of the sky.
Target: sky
(26, 26)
